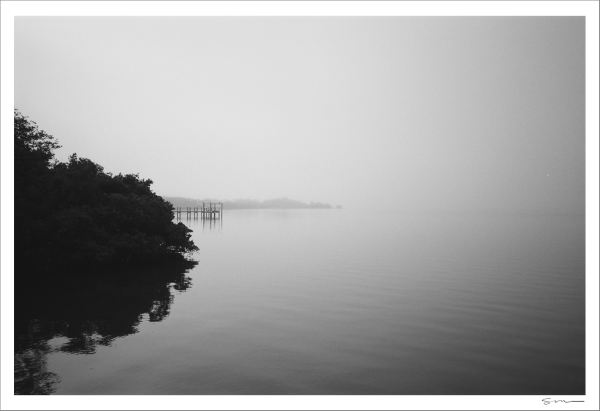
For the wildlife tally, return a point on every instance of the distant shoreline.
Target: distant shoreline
(280, 203)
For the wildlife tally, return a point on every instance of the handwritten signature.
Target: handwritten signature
(548, 401)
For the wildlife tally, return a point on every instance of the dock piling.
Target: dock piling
(209, 210)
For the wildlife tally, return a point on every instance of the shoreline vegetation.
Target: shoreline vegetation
(244, 204)
(95, 255)
(73, 215)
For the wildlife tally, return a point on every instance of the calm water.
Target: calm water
(331, 302)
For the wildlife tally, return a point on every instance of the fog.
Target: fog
(426, 113)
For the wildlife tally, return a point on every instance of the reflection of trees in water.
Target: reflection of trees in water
(88, 309)
(31, 376)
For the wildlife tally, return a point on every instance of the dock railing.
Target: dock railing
(205, 211)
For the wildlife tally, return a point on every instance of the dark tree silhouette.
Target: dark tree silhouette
(74, 214)
(83, 241)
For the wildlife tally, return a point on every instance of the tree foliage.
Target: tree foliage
(74, 214)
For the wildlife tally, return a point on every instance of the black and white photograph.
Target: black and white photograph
(300, 205)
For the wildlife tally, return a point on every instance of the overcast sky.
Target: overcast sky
(474, 113)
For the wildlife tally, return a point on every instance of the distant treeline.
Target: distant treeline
(75, 215)
(246, 204)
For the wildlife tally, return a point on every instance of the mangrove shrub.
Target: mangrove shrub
(72, 214)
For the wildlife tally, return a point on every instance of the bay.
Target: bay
(350, 302)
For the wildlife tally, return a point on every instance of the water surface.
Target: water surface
(345, 302)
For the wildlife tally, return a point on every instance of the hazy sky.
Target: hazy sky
(409, 112)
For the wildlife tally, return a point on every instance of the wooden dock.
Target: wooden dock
(206, 211)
